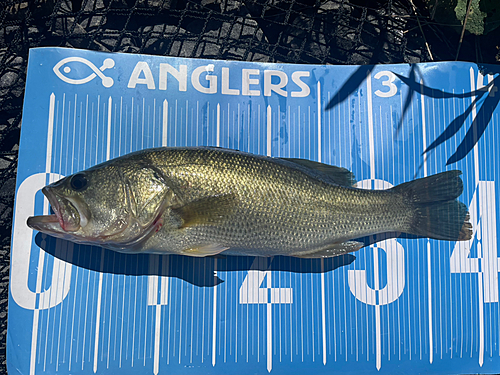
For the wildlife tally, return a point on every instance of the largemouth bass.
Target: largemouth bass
(203, 201)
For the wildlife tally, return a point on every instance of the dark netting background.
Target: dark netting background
(292, 31)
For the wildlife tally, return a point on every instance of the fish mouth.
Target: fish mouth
(66, 217)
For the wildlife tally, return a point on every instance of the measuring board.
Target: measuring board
(401, 305)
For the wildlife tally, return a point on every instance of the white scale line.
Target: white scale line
(97, 128)
(164, 284)
(429, 293)
(99, 292)
(122, 321)
(62, 133)
(168, 334)
(156, 367)
(163, 301)
(109, 323)
(218, 125)
(424, 130)
(280, 316)
(236, 124)
(378, 338)
(73, 317)
(323, 314)
(50, 132)
(269, 129)
(70, 245)
(492, 261)
(165, 123)
(41, 256)
(85, 322)
(145, 327)
(236, 311)
(481, 308)
(208, 118)
(181, 316)
(214, 328)
(429, 263)
(371, 139)
(203, 318)
(258, 128)
(319, 121)
(372, 168)
(143, 114)
(52, 294)
(476, 156)
(154, 121)
(85, 132)
(133, 326)
(152, 282)
(225, 324)
(163, 280)
(269, 306)
(152, 296)
(153, 301)
(479, 248)
(98, 315)
(344, 270)
(108, 146)
(269, 325)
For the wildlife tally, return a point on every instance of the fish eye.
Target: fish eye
(78, 182)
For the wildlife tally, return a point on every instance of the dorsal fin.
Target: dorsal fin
(337, 175)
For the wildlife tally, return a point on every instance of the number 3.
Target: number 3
(389, 83)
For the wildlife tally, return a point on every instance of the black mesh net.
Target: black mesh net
(293, 31)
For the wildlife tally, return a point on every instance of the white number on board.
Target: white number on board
(395, 276)
(21, 252)
(388, 83)
(483, 219)
(252, 291)
(357, 280)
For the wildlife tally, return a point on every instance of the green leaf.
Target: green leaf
(475, 19)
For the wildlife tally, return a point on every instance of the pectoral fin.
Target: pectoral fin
(208, 210)
(205, 251)
(333, 250)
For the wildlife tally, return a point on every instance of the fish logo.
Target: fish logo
(106, 64)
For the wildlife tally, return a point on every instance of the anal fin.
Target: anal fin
(332, 250)
(205, 251)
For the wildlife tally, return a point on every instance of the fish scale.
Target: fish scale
(202, 201)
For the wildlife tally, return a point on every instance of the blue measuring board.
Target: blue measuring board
(403, 305)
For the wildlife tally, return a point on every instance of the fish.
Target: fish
(204, 201)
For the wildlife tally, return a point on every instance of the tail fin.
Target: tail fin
(437, 213)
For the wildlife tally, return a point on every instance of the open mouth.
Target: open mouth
(66, 217)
